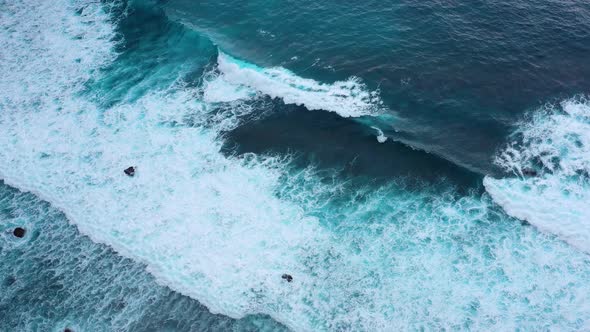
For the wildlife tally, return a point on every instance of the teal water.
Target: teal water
(456, 74)
(54, 278)
(380, 153)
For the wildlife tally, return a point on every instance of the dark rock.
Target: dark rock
(529, 172)
(130, 171)
(19, 232)
(287, 277)
(68, 330)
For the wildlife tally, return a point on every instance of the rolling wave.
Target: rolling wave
(550, 158)
(348, 98)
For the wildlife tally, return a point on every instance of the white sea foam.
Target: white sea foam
(348, 98)
(223, 230)
(193, 216)
(381, 138)
(205, 225)
(556, 144)
(31, 27)
(217, 89)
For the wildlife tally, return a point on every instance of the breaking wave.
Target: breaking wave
(550, 159)
(348, 98)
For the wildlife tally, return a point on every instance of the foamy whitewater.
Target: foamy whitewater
(223, 230)
(556, 144)
(348, 98)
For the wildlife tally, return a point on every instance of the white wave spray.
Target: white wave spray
(550, 158)
(348, 98)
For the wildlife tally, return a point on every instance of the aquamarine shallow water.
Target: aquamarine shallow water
(365, 149)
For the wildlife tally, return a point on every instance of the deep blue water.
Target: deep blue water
(457, 74)
(380, 151)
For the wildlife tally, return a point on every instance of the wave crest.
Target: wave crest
(550, 157)
(349, 98)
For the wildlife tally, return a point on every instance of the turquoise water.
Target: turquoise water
(381, 153)
(54, 278)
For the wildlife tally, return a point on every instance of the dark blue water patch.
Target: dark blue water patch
(55, 278)
(474, 144)
(459, 73)
(329, 141)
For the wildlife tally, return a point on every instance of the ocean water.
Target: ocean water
(413, 165)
